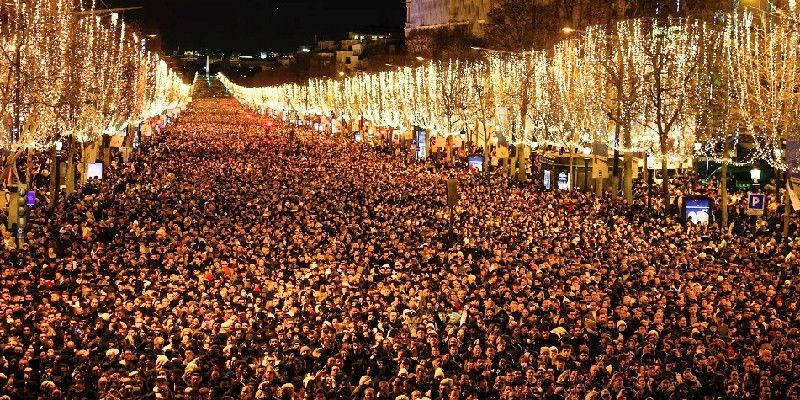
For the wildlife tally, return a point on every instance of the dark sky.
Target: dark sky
(261, 25)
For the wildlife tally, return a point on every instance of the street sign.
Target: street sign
(755, 204)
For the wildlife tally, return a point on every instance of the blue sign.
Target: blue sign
(476, 162)
(697, 209)
(31, 198)
(756, 204)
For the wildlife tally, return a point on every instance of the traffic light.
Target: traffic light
(22, 211)
(13, 206)
(452, 192)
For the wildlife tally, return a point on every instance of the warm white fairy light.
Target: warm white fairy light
(574, 96)
(763, 58)
(75, 73)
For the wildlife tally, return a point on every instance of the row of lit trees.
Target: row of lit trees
(666, 88)
(71, 73)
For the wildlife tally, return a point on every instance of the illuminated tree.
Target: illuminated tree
(615, 57)
(671, 58)
(718, 124)
(764, 67)
(450, 92)
(566, 114)
(514, 80)
(68, 70)
(482, 102)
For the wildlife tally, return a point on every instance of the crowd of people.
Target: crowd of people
(225, 261)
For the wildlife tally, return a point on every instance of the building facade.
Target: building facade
(432, 14)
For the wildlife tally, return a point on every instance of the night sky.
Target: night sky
(261, 25)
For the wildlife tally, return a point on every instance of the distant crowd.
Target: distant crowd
(231, 261)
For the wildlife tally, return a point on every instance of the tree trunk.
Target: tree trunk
(787, 207)
(449, 145)
(55, 185)
(628, 178)
(665, 185)
(485, 149)
(106, 151)
(621, 6)
(71, 166)
(521, 162)
(723, 182)
(647, 183)
(571, 179)
(615, 174)
(598, 183)
(84, 167)
(29, 169)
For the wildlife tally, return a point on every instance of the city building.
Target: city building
(368, 37)
(434, 14)
(333, 56)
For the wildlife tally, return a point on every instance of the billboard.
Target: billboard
(547, 179)
(422, 144)
(697, 209)
(793, 167)
(94, 170)
(563, 180)
(475, 162)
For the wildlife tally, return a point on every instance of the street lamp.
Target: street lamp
(755, 175)
(697, 147)
(567, 30)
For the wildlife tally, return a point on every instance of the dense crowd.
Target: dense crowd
(228, 261)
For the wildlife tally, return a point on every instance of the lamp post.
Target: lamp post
(697, 147)
(755, 175)
(778, 156)
(534, 167)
